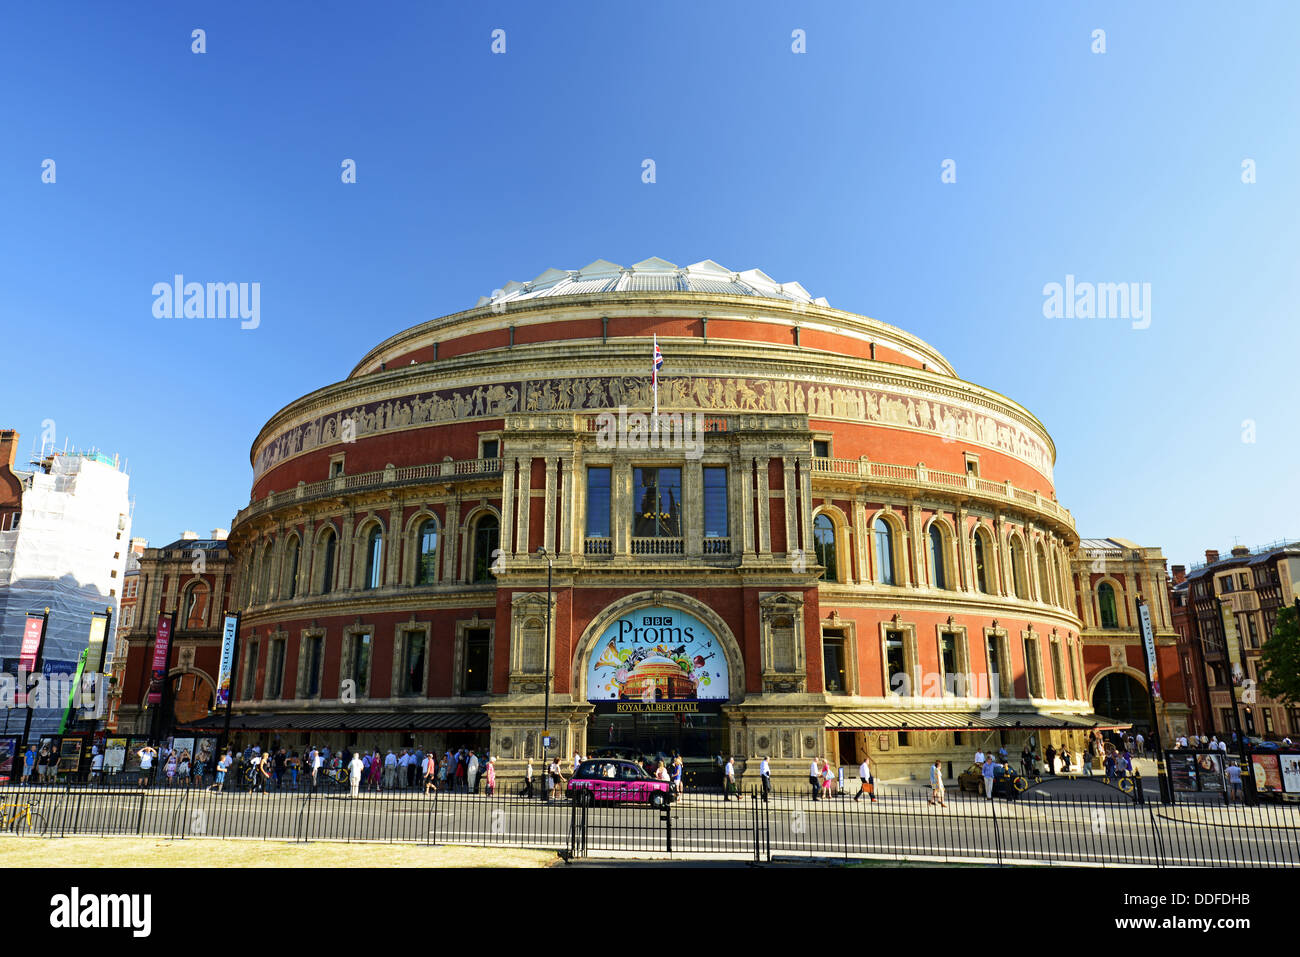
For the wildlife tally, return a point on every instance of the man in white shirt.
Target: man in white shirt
(729, 780)
(765, 776)
(865, 781)
(1141, 743)
(471, 772)
(403, 765)
(815, 779)
(315, 766)
(979, 757)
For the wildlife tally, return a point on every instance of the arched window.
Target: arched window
(487, 536)
(1106, 602)
(291, 568)
(264, 581)
(326, 552)
(981, 566)
(374, 558)
(426, 555)
(1044, 581)
(885, 552)
(938, 566)
(1018, 569)
(195, 606)
(824, 546)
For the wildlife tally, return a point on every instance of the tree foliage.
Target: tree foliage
(1279, 664)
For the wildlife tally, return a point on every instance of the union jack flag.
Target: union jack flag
(659, 356)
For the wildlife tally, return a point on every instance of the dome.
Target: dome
(650, 275)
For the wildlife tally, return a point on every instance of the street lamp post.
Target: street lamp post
(546, 707)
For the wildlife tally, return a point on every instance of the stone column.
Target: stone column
(921, 573)
(693, 506)
(549, 515)
(524, 505)
(574, 484)
(764, 531)
(862, 571)
(744, 528)
(507, 504)
(451, 543)
(620, 495)
(345, 551)
(965, 568)
(805, 505)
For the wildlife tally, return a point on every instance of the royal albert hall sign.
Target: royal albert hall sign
(657, 659)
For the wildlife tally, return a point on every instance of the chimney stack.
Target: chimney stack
(8, 447)
(1180, 574)
(219, 534)
(188, 536)
(1211, 556)
(1240, 551)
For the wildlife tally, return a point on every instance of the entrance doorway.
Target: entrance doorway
(1123, 698)
(698, 737)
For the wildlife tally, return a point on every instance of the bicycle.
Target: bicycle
(23, 820)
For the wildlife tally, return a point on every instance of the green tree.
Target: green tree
(1279, 662)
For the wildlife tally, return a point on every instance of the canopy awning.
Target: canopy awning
(344, 721)
(939, 720)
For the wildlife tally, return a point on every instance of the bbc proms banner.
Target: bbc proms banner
(657, 658)
(229, 631)
(161, 645)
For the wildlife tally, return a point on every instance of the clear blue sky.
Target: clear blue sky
(475, 168)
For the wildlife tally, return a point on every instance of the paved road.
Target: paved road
(1043, 826)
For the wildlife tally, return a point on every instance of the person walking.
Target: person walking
(1087, 760)
(936, 785)
(356, 767)
(491, 776)
(729, 780)
(815, 779)
(1050, 760)
(1234, 783)
(1109, 765)
(528, 779)
(29, 762)
(678, 768)
(430, 773)
(222, 767)
(990, 772)
(866, 781)
(765, 777)
(828, 780)
(390, 770)
(471, 773)
(1141, 743)
(1027, 762)
(376, 771)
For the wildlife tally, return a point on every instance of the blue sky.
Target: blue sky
(822, 167)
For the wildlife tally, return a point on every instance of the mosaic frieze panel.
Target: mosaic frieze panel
(947, 419)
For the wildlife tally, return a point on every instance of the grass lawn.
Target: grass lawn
(153, 852)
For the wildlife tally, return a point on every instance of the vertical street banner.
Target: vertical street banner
(93, 706)
(1148, 639)
(1233, 641)
(27, 655)
(161, 646)
(229, 630)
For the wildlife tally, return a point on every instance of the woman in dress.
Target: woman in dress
(183, 768)
(678, 768)
(828, 779)
(661, 772)
(491, 776)
(171, 768)
(376, 767)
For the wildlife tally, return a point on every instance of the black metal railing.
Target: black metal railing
(1102, 829)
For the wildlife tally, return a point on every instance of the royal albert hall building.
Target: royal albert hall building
(828, 544)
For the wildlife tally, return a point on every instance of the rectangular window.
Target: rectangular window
(657, 500)
(598, 502)
(477, 649)
(895, 666)
(313, 653)
(1254, 634)
(250, 670)
(1244, 580)
(997, 682)
(1225, 584)
(1074, 673)
(275, 669)
(903, 739)
(1268, 720)
(413, 663)
(716, 519)
(491, 449)
(1033, 668)
(361, 663)
(948, 656)
(1058, 674)
(833, 661)
(821, 449)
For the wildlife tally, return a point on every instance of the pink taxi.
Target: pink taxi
(613, 781)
